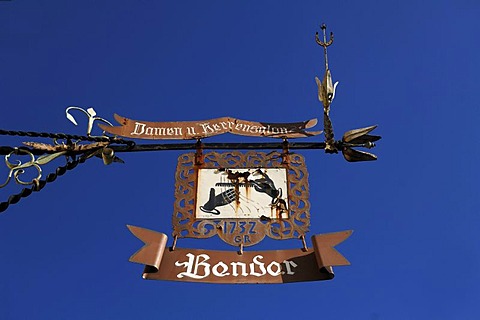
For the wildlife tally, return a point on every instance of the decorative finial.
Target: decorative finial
(326, 92)
(324, 43)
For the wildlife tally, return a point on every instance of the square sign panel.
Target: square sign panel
(241, 197)
(258, 193)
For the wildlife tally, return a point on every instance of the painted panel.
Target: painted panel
(242, 193)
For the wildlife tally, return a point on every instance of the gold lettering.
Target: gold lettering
(149, 131)
(139, 129)
(224, 125)
(159, 131)
(216, 127)
(206, 128)
(246, 127)
(191, 131)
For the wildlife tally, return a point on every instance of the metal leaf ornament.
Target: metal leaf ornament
(359, 138)
(326, 90)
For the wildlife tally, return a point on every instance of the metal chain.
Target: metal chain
(33, 134)
(40, 184)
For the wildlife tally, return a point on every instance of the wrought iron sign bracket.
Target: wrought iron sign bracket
(241, 197)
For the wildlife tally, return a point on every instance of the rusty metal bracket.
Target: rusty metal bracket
(240, 251)
(286, 152)
(174, 245)
(304, 243)
(199, 153)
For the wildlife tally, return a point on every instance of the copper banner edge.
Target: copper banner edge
(151, 253)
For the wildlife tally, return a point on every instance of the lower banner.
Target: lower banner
(212, 266)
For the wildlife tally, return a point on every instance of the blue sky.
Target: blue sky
(411, 67)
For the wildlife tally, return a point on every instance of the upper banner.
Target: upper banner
(201, 129)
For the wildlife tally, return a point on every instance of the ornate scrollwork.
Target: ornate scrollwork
(18, 168)
(92, 117)
(186, 225)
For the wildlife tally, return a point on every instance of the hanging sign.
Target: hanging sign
(201, 129)
(212, 266)
(241, 197)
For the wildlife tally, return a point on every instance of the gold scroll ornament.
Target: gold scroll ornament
(212, 266)
(201, 129)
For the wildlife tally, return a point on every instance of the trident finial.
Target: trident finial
(324, 43)
(326, 92)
